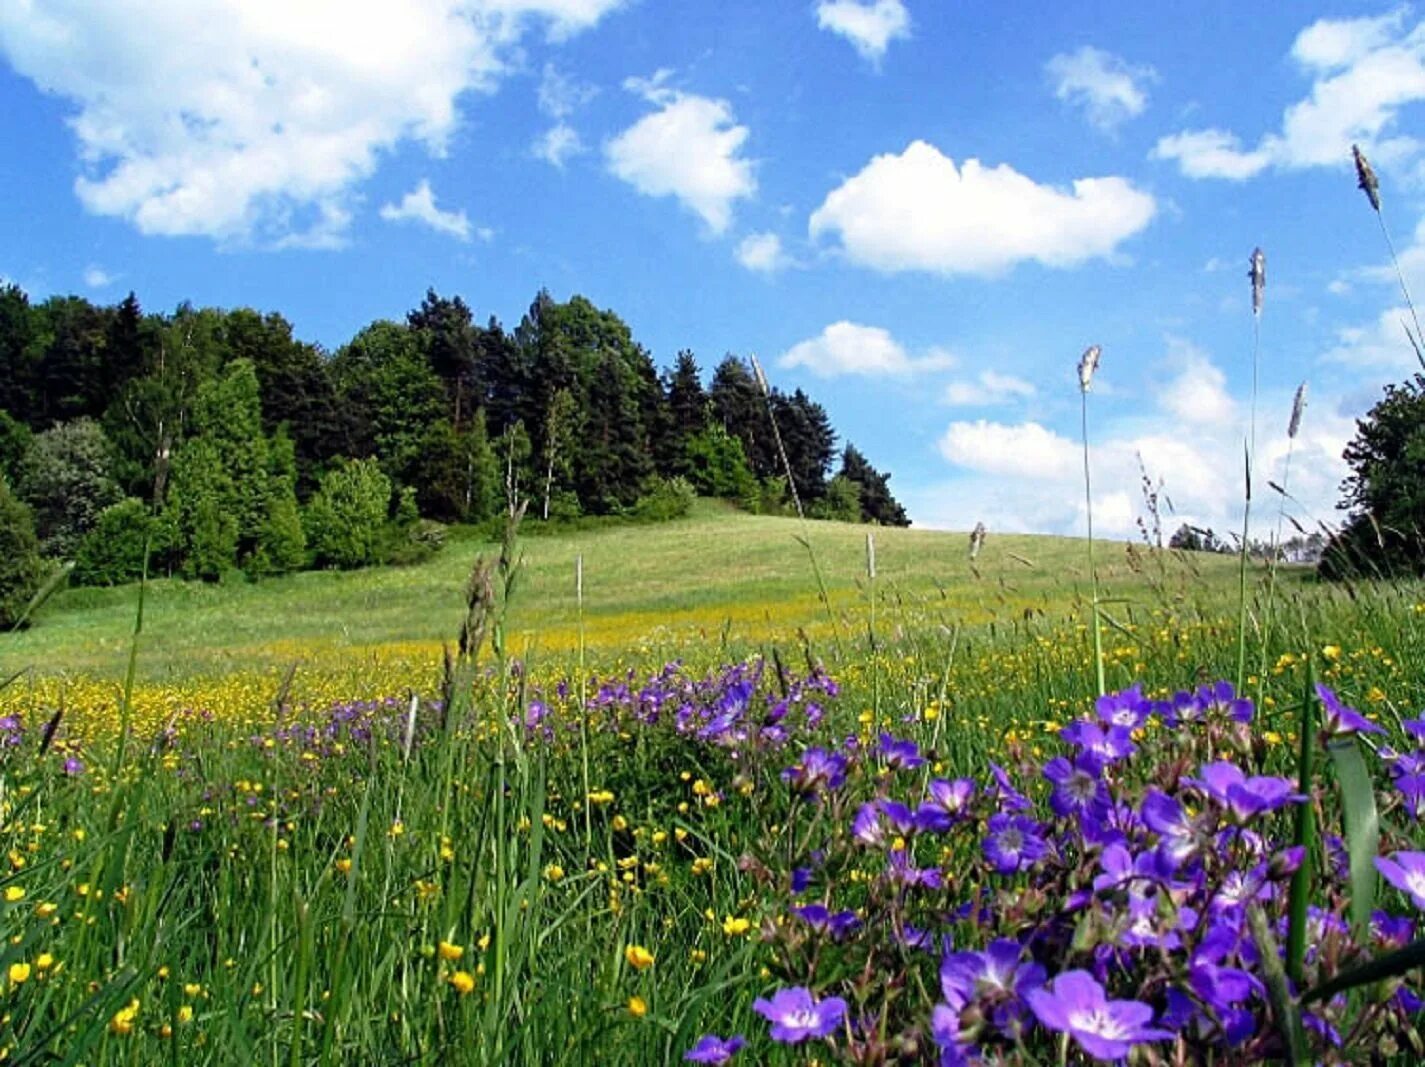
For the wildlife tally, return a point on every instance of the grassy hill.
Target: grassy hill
(718, 575)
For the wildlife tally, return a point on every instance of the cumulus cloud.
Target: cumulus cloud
(1029, 476)
(1196, 393)
(870, 25)
(989, 387)
(242, 121)
(1106, 87)
(96, 277)
(559, 97)
(1364, 72)
(690, 149)
(762, 252)
(419, 206)
(849, 348)
(1380, 346)
(918, 211)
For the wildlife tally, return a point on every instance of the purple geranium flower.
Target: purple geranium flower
(900, 755)
(1129, 708)
(1244, 797)
(1222, 696)
(713, 1049)
(1405, 871)
(1106, 1029)
(1015, 843)
(1340, 720)
(953, 797)
(818, 770)
(1078, 790)
(1106, 745)
(796, 1015)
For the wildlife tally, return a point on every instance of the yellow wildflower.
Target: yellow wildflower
(638, 957)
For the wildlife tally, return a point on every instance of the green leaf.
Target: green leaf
(1358, 799)
(1305, 834)
(1391, 965)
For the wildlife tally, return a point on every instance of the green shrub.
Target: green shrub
(203, 523)
(414, 543)
(717, 465)
(65, 476)
(346, 518)
(667, 498)
(21, 568)
(113, 552)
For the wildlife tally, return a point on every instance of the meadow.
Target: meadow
(684, 803)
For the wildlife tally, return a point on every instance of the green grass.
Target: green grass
(687, 579)
(266, 904)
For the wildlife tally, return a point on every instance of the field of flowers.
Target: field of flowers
(889, 838)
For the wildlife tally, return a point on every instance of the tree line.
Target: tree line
(222, 442)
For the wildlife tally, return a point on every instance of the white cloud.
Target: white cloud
(1364, 72)
(989, 387)
(1027, 476)
(870, 25)
(1211, 154)
(918, 211)
(1108, 88)
(849, 348)
(1380, 346)
(559, 97)
(419, 206)
(1023, 450)
(242, 121)
(558, 144)
(689, 149)
(762, 252)
(96, 277)
(1197, 392)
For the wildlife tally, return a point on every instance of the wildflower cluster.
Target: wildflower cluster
(1107, 896)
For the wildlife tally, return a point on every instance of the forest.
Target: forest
(214, 441)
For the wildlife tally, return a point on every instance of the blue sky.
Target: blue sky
(921, 212)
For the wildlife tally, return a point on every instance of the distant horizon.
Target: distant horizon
(920, 216)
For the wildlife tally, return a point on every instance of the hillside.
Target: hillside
(666, 584)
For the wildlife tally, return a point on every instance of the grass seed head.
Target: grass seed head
(1088, 364)
(1298, 407)
(1366, 177)
(1257, 272)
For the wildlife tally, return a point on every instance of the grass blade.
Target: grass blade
(1305, 834)
(1358, 800)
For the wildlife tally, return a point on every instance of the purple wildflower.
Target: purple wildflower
(1106, 1029)
(1244, 797)
(1106, 745)
(1015, 843)
(796, 1015)
(1078, 790)
(1405, 871)
(953, 797)
(1340, 720)
(900, 755)
(818, 771)
(713, 1049)
(1222, 696)
(1129, 708)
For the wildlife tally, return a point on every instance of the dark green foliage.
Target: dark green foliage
(717, 466)
(228, 414)
(346, 518)
(296, 389)
(65, 476)
(388, 394)
(21, 568)
(281, 542)
(1385, 534)
(809, 440)
(738, 405)
(113, 552)
(842, 501)
(877, 503)
(436, 400)
(204, 528)
(665, 499)
(15, 439)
